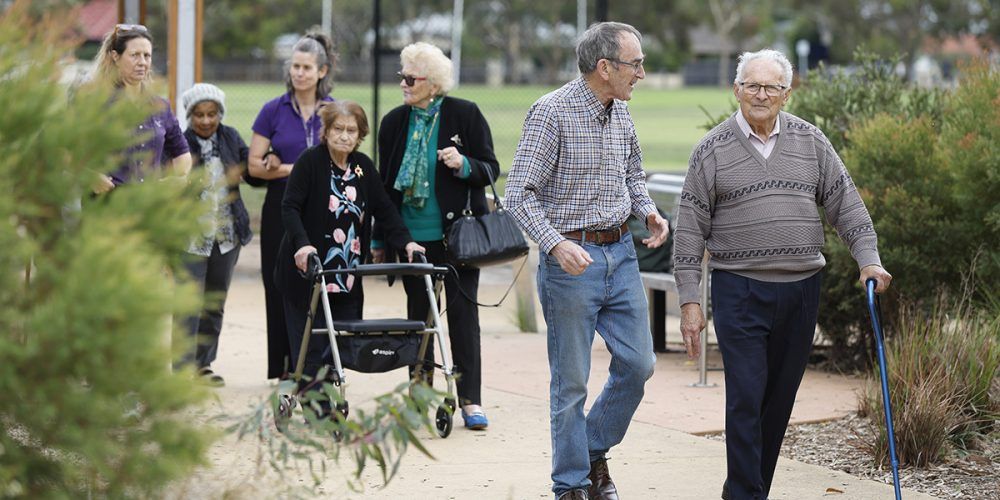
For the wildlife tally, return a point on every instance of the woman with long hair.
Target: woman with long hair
(124, 62)
(285, 127)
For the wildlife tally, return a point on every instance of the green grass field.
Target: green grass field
(668, 121)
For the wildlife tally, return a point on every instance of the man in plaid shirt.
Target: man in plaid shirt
(576, 177)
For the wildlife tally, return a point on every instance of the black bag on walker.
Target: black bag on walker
(378, 353)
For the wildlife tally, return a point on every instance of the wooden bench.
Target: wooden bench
(658, 286)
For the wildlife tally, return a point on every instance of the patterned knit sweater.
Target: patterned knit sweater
(758, 216)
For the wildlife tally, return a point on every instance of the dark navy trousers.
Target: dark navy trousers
(765, 332)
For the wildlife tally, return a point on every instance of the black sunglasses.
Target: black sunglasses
(410, 80)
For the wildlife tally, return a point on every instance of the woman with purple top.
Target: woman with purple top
(124, 61)
(285, 127)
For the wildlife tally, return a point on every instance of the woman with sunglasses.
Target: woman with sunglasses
(435, 154)
(285, 127)
(125, 62)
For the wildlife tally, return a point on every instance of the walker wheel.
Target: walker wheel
(443, 419)
(283, 411)
(343, 409)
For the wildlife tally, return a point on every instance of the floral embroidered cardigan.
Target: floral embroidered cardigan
(307, 206)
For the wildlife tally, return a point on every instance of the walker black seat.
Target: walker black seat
(379, 325)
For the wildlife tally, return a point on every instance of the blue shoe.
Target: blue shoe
(475, 421)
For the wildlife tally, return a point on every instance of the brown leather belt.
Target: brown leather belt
(599, 237)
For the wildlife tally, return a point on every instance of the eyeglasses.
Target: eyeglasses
(410, 80)
(121, 29)
(634, 65)
(770, 90)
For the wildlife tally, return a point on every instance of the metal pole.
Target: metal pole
(601, 10)
(376, 74)
(581, 17)
(131, 11)
(184, 31)
(703, 356)
(328, 18)
(456, 39)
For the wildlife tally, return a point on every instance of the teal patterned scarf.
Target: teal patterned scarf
(412, 178)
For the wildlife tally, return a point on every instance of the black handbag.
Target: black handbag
(486, 240)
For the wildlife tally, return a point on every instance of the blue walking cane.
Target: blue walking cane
(875, 311)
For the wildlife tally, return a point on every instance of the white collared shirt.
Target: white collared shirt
(762, 146)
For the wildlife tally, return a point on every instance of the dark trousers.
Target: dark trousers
(213, 275)
(342, 307)
(765, 332)
(463, 321)
(271, 232)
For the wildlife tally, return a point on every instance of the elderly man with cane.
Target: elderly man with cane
(751, 195)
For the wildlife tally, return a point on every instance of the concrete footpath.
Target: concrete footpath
(662, 456)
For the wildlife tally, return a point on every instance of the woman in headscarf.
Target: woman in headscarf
(219, 151)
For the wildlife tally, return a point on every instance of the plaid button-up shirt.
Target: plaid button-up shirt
(577, 166)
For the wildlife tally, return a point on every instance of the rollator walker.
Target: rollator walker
(375, 345)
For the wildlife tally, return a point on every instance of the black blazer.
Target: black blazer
(304, 211)
(459, 119)
(233, 152)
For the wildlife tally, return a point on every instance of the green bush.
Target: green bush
(90, 406)
(970, 143)
(836, 100)
(901, 178)
(927, 165)
(874, 106)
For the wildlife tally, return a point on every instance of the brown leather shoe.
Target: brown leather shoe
(577, 494)
(601, 485)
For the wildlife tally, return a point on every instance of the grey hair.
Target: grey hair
(321, 47)
(768, 55)
(601, 41)
(431, 62)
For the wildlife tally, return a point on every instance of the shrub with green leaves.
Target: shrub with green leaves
(926, 164)
(90, 406)
(970, 145)
(836, 100)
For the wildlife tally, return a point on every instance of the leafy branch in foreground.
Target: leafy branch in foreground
(381, 435)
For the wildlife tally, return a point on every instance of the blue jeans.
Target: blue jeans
(609, 298)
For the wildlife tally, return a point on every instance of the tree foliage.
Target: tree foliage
(888, 27)
(926, 166)
(90, 405)
(87, 287)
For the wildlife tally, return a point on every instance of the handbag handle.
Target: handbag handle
(493, 187)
